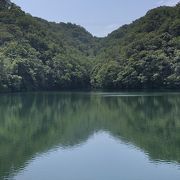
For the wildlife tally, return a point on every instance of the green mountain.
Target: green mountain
(144, 54)
(39, 55)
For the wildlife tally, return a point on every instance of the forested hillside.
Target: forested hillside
(36, 54)
(40, 55)
(144, 54)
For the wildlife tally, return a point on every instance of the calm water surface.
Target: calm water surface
(90, 136)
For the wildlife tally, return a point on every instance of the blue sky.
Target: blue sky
(99, 17)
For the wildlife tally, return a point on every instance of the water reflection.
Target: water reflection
(32, 124)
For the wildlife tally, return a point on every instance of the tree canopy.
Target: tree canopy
(39, 55)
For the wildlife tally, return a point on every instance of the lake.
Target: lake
(90, 136)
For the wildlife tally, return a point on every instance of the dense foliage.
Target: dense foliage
(40, 55)
(144, 54)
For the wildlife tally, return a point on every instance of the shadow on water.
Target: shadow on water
(35, 123)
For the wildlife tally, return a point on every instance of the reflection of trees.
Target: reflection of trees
(34, 123)
(151, 123)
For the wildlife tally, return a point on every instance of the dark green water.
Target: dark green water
(90, 136)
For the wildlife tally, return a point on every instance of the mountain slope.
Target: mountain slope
(39, 55)
(144, 54)
(36, 54)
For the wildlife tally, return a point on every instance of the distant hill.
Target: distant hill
(39, 55)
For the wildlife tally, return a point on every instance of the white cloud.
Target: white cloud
(167, 2)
